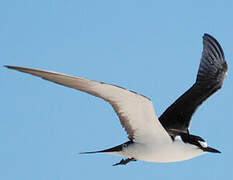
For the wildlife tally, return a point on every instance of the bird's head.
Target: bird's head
(204, 146)
(197, 141)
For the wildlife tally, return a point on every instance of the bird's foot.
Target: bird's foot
(124, 161)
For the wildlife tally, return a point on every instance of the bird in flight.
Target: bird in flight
(163, 139)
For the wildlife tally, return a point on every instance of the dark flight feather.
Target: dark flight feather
(210, 77)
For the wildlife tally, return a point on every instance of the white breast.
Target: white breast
(171, 152)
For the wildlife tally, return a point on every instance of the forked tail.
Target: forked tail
(113, 149)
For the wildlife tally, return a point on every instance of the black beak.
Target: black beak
(209, 149)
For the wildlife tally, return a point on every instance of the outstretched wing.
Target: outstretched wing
(210, 77)
(135, 111)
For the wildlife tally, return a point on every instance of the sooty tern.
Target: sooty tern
(163, 139)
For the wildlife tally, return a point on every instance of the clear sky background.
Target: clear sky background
(151, 47)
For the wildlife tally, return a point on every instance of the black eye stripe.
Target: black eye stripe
(192, 139)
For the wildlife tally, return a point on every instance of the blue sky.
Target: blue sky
(151, 47)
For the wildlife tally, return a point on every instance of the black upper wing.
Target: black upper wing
(210, 77)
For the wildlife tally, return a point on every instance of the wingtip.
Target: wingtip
(18, 68)
(6, 66)
(210, 38)
(207, 35)
(10, 67)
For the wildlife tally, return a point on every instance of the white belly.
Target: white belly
(171, 152)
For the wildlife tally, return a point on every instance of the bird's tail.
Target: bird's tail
(92, 152)
(110, 150)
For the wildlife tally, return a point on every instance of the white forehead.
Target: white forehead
(178, 138)
(203, 144)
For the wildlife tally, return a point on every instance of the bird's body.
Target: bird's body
(172, 151)
(163, 139)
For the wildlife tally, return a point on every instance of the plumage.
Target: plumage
(130, 107)
(166, 139)
(211, 73)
